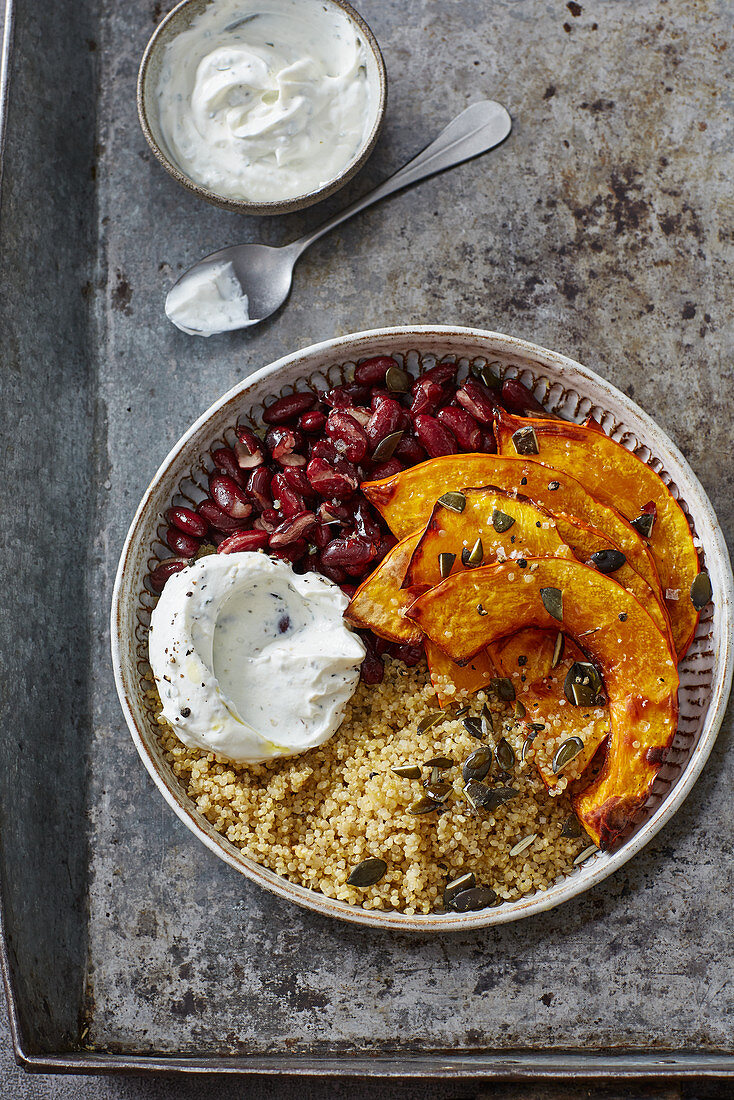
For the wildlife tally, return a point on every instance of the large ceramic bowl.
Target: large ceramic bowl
(565, 387)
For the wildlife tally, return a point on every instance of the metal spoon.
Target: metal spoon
(265, 273)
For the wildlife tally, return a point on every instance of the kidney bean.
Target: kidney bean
(489, 443)
(360, 414)
(333, 572)
(262, 524)
(478, 400)
(388, 417)
(284, 444)
(385, 545)
(228, 496)
(350, 552)
(342, 397)
(463, 425)
(372, 670)
(379, 395)
(249, 449)
(217, 537)
(311, 421)
(166, 569)
(181, 543)
(258, 488)
(335, 478)
(290, 500)
(349, 437)
(427, 396)
(372, 371)
(291, 553)
(365, 523)
(386, 469)
(272, 516)
(243, 541)
(348, 589)
(297, 479)
(226, 460)
(517, 398)
(437, 439)
(441, 373)
(321, 535)
(287, 409)
(292, 529)
(188, 522)
(409, 451)
(218, 519)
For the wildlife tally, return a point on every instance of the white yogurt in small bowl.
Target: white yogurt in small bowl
(262, 106)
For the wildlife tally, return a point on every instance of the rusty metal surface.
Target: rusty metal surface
(603, 228)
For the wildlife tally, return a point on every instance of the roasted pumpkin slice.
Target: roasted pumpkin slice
(450, 679)
(551, 720)
(379, 603)
(617, 477)
(471, 610)
(406, 500)
(492, 526)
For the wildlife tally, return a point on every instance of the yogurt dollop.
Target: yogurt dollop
(265, 101)
(208, 302)
(251, 660)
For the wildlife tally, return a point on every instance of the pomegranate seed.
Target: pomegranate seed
(517, 398)
(292, 529)
(441, 373)
(349, 437)
(249, 449)
(181, 543)
(387, 469)
(243, 541)
(285, 443)
(188, 522)
(336, 478)
(427, 396)
(296, 478)
(463, 425)
(258, 488)
(290, 500)
(388, 417)
(166, 569)
(218, 519)
(409, 450)
(225, 459)
(228, 496)
(478, 400)
(371, 371)
(311, 421)
(437, 439)
(289, 408)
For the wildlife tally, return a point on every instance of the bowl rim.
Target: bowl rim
(604, 863)
(279, 206)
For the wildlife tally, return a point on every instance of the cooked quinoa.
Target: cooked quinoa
(312, 818)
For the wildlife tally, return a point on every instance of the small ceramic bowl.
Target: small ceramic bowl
(563, 386)
(179, 20)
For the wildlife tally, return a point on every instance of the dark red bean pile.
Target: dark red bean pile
(296, 493)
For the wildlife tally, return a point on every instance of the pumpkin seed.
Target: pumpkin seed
(424, 805)
(473, 727)
(553, 485)
(523, 844)
(408, 771)
(385, 449)
(435, 777)
(429, 721)
(558, 649)
(439, 792)
(481, 610)
(583, 685)
(487, 721)
(501, 521)
(608, 561)
(504, 755)
(368, 872)
(462, 711)
(475, 555)
(525, 441)
(397, 380)
(525, 746)
(477, 764)
(457, 886)
(446, 564)
(455, 502)
(582, 856)
(553, 602)
(482, 797)
(441, 762)
(644, 524)
(480, 897)
(487, 376)
(520, 711)
(503, 687)
(567, 752)
(701, 592)
(572, 827)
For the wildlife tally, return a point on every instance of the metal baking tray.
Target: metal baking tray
(128, 946)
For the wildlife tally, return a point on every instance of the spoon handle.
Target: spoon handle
(476, 130)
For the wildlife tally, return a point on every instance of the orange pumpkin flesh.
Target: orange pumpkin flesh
(617, 477)
(379, 601)
(406, 500)
(541, 693)
(633, 656)
(472, 676)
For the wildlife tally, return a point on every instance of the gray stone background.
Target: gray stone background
(603, 228)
